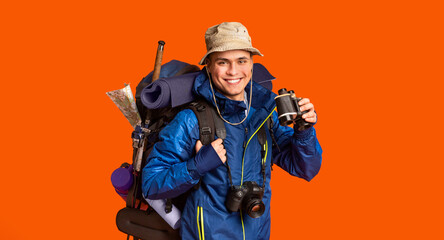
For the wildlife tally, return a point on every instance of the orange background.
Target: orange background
(373, 69)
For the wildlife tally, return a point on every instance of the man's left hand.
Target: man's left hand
(306, 105)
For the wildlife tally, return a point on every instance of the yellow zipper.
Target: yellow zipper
(263, 161)
(200, 223)
(243, 157)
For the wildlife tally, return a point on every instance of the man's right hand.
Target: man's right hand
(218, 148)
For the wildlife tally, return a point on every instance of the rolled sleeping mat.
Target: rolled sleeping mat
(173, 91)
(169, 69)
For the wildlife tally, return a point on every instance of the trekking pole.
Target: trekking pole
(140, 134)
(158, 63)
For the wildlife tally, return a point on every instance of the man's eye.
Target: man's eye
(242, 61)
(221, 63)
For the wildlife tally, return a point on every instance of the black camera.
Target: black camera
(289, 111)
(247, 197)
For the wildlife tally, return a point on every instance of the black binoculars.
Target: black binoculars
(289, 111)
(247, 197)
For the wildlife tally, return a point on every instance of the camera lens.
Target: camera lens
(255, 208)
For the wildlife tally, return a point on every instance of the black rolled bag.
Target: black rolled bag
(143, 224)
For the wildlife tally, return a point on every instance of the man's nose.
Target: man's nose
(232, 69)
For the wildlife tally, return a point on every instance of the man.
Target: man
(178, 161)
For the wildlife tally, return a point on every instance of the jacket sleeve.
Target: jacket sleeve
(299, 152)
(170, 169)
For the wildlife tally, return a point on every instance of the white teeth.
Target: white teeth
(233, 81)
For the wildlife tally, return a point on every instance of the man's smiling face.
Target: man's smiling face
(231, 72)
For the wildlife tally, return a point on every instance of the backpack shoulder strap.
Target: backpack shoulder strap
(206, 118)
(210, 125)
(219, 125)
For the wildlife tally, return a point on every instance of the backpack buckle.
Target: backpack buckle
(206, 131)
(200, 108)
(138, 136)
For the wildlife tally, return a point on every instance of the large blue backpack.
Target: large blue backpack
(138, 219)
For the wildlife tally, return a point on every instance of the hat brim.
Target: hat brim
(254, 51)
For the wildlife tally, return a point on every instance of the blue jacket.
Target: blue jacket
(174, 167)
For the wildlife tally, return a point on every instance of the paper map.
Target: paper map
(124, 100)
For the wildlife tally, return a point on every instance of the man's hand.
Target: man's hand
(217, 146)
(306, 105)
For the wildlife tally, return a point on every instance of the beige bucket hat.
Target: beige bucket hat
(228, 36)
